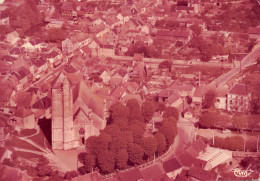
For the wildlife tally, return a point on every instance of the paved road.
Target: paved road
(248, 60)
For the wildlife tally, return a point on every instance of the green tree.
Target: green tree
(209, 99)
(106, 161)
(112, 130)
(25, 16)
(89, 162)
(122, 123)
(118, 143)
(135, 153)
(208, 119)
(135, 111)
(96, 144)
(239, 122)
(118, 110)
(149, 146)
(171, 111)
(70, 174)
(128, 137)
(138, 133)
(161, 140)
(169, 130)
(148, 109)
(121, 159)
(55, 35)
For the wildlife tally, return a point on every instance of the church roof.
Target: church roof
(82, 94)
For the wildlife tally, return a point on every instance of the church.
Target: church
(77, 113)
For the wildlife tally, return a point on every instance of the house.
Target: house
(68, 10)
(197, 148)
(130, 175)
(153, 172)
(86, 51)
(39, 65)
(24, 118)
(118, 77)
(198, 95)
(25, 99)
(4, 19)
(74, 42)
(118, 93)
(94, 176)
(90, 10)
(3, 135)
(188, 113)
(238, 98)
(184, 10)
(16, 51)
(4, 153)
(172, 167)
(183, 89)
(221, 99)
(42, 105)
(23, 77)
(12, 37)
(187, 161)
(215, 156)
(105, 76)
(197, 173)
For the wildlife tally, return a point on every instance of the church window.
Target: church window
(81, 131)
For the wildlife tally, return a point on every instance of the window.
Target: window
(81, 131)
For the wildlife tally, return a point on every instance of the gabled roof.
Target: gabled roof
(22, 112)
(131, 175)
(42, 103)
(8, 58)
(196, 147)
(201, 174)
(58, 82)
(239, 89)
(39, 61)
(83, 96)
(185, 159)
(70, 69)
(174, 97)
(171, 165)
(24, 99)
(16, 51)
(152, 172)
(35, 41)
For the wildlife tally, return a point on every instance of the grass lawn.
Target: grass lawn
(16, 142)
(40, 140)
(27, 155)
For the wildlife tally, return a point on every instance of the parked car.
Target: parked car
(226, 131)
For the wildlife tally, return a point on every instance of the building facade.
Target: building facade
(238, 99)
(76, 114)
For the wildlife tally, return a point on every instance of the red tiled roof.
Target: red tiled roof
(22, 112)
(171, 165)
(239, 89)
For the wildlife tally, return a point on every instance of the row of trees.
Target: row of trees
(141, 47)
(231, 143)
(214, 119)
(122, 143)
